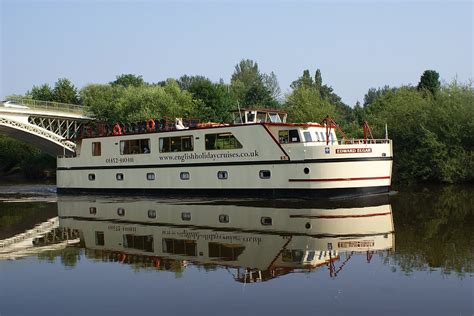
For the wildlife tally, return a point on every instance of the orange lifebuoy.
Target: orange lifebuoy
(150, 125)
(117, 129)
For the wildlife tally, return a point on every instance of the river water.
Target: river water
(408, 253)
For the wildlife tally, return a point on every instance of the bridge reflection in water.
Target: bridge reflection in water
(258, 240)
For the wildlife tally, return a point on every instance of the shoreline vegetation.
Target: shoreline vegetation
(431, 124)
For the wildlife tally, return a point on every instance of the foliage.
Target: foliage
(214, 101)
(429, 81)
(253, 89)
(432, 137)
(65, 92)
(42, 93)
(127, 80)
(132, 104)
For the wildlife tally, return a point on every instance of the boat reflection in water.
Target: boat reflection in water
(258, 241)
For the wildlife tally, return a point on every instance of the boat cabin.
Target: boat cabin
(249, 116)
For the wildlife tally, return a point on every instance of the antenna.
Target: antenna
(386, 131)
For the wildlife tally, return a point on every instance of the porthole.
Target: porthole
(121, 211)
(265, 174)
(119, 176)
(306, 170)
(92, 210)
(223, 218)
(308, 225)
(184, 176)
(222, 175)
(186, 216)
(151, 214)
(91, 176)
(150, 176)
(266, 221)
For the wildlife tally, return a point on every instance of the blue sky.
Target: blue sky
(356, 44)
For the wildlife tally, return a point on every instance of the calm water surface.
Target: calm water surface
(410, 253)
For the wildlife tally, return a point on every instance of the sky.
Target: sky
(356, 44)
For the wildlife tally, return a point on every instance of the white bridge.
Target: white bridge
(45, 125)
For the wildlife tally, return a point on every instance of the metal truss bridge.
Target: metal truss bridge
(46, 125)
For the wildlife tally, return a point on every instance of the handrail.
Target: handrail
(48, 105)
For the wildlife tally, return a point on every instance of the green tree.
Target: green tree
(429, 81)
(43, 93)
(128, 80)
(251, 88)
(65, 92)
(304, 81)
(214, 100)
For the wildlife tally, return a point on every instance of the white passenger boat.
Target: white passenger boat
(261, 243)
(259, 155)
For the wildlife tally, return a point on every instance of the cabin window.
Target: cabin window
(96, 148)
(265, 174)
(250, 117)
(144, 243)
(121, 211)
(307, 137)
(99, 239)
(184, 176)
(186, 216)
(151, 213)
(223, 218)
(292, 255)
(222, 141)
(323, 136)
(222, 175)
(226, 252)
(176, 144)
(317, 136)
(135, 146)
(91, 177)
(288, 136)
(92, 210)
(180, 247)
(150, 176)
(119, 176)
(275, 118)
(266, 221)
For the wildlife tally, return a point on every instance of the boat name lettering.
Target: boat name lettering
(353, 150)
(193, 235)
(119, 160)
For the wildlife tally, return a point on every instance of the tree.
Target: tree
(318, 79)
(43, 93)
(214, 100)
(65, 92)
(251, 88)
(429, 81)
(373, 94)
(128, 80)
(304, 81)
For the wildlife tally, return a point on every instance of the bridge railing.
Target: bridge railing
(47, 105)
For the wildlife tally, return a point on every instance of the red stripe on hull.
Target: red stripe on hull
(338, 179)
(339, 216)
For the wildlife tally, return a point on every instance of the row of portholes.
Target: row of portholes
(221, 175)
(185, 216)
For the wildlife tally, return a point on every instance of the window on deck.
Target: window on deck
(222, 141)
(135, 146)
(176, 144)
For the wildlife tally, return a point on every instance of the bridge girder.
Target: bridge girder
(49, 142)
